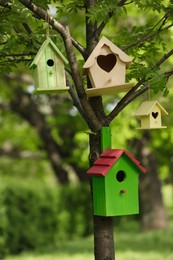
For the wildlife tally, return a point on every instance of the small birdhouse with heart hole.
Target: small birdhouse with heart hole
(49, 69)
(106, 68)
(115, 183)
(150, 113)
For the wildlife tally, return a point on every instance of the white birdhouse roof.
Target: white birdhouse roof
(42, 49)
(115, 50)
(146, 108)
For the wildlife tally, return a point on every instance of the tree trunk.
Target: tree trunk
(153, 214)
(103, 239)
(23, 105)
(103, 226)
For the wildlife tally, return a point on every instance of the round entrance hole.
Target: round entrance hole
(120, 176)
(50, 62)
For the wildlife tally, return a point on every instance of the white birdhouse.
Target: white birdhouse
(150, 113)
(106, 68)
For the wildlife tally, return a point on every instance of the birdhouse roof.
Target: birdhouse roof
(146, 108)
(43, 47)
(115, 50)
(108, 158)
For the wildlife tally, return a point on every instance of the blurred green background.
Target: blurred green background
(45, 201)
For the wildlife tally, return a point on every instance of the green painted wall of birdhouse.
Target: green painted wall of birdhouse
(115, 198)
(105, 138)
(50, 72)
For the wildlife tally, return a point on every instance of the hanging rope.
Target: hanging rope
(47, 20)
(149, 93)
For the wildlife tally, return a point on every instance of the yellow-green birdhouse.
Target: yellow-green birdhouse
(150, 113)
(49, 69)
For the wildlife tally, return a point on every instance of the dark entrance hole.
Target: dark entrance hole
(106, 62)
(120, 176)
(50, 62)
(155, 114)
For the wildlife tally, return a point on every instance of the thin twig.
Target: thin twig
(110, 14)
(134, 93)
(5, 4)
(17, 54)
(54, 23)
(147, 37)
(76, 101)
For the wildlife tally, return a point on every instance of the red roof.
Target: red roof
(107, 159)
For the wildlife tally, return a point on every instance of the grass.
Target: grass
(70, 250)
(154, 245)
(130, 244)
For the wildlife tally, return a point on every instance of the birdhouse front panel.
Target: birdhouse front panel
(50, 70)
(108, 69)
(40, 74)
(155, 117)
(122, 195)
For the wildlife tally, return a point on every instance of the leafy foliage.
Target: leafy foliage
(36, 216)
(143, 29)
(140, 28)
(103, 10)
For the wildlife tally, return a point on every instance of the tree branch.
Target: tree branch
(90, 116)
(54, 23)
(169, 73)
(24, 105)
(124, 101)
(91, 41)
(133, 93)
(15, 153)
(5, 4)
(69, 42)
(147, 37)
(91, 29)
(17, 54)
(122, 2)
(103, 24)
(164, 58)
(76, 101)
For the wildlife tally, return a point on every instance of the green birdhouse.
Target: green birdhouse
(115, 183)
(49, 69)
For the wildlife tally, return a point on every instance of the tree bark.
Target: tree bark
(103, 226)
(26, 108)
(153, 214)
(103, 239)
(92, 109)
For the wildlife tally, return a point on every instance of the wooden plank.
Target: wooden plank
(105, 138)
(109, 90)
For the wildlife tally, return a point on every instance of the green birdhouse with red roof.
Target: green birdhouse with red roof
(49, 69)
(115, 183)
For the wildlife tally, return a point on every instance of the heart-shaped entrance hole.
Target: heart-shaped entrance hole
(155, 114)
(106, 62)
